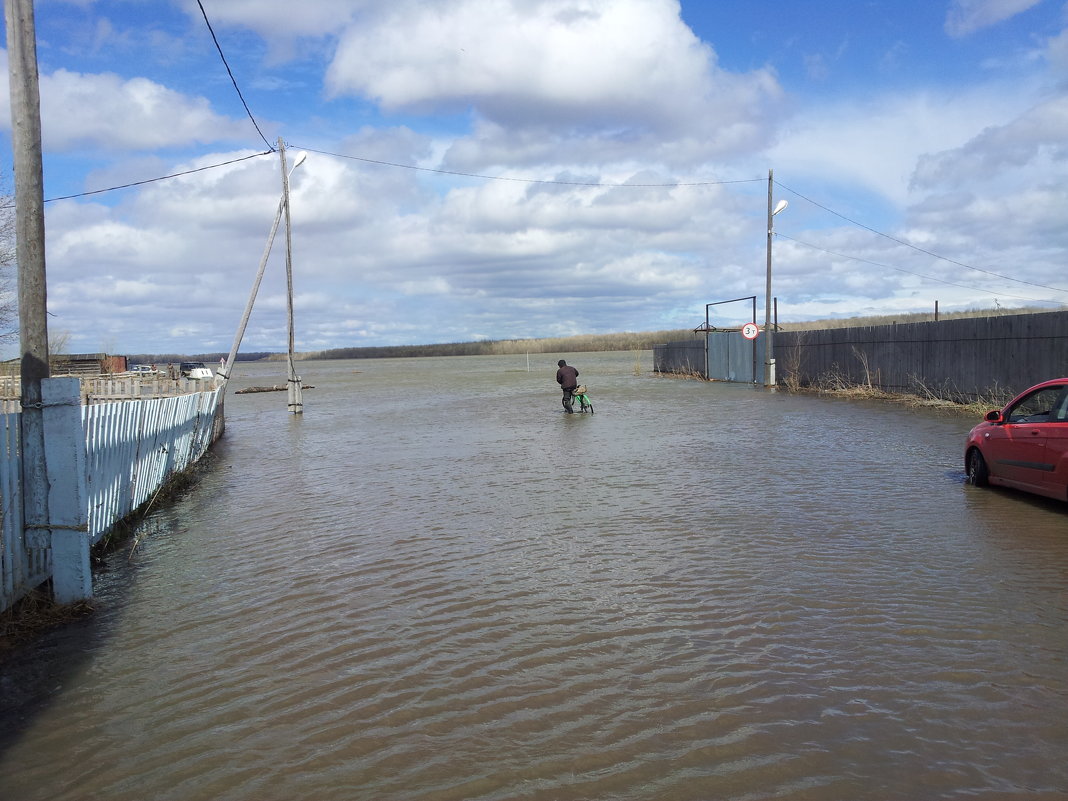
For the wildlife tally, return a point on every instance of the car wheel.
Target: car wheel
(978, 474)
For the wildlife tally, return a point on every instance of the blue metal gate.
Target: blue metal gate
(732, 357)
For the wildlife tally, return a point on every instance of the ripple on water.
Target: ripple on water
(435, 586)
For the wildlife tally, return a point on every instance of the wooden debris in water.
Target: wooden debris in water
(275, 388)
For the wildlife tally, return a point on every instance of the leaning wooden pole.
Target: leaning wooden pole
(223, 376)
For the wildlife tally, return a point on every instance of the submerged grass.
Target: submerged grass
(34, 614)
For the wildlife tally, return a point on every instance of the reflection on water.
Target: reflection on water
(435, 585)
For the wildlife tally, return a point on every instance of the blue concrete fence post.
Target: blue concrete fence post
(68, 511)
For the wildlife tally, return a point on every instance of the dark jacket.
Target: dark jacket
(567, 377)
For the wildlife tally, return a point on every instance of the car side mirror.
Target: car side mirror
(993, 417)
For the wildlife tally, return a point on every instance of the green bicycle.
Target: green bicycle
(585, 405)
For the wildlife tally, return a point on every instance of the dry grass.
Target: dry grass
(35, 613)
(689, 375)
(922, 395)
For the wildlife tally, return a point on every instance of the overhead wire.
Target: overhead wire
(271, 149)
(233, 80)
(907, 272)
(482, 176)
(714, 183)
(148, 180)
(248, 111)
(917, 247)
(524, 180)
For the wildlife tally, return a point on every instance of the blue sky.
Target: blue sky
(622, 149)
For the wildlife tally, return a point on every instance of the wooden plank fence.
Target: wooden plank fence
(965, 359)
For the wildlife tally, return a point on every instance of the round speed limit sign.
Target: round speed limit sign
(750, 330)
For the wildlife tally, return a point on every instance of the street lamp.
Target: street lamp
(769, 359)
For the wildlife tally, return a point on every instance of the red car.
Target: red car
(1024, 445)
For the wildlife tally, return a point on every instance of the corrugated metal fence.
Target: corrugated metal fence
(132, 447)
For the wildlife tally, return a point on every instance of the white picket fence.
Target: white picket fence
(124, 386)
(132, 448)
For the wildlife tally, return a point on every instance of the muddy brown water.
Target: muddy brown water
(434, 585)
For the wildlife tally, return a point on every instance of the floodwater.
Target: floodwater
(434, 585)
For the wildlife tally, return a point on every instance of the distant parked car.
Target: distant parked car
(1024, 445)
(194, 370)
(143, 369)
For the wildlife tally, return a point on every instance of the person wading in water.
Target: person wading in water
(567, 378)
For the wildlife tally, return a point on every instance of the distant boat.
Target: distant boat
(195, 370)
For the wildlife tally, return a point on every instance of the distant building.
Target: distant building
(87, 364)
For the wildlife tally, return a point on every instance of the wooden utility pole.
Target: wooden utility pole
(30, 255)
(295, 395)
(29, 195)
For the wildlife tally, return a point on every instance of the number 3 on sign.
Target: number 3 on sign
(750, 330)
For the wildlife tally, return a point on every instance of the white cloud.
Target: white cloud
(1057, 54)
(112, 113)
(280, 22)
(583, 91)
(1014, 145)
(968, 16)
(877, 144)
(556, 81)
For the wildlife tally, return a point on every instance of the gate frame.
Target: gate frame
(708, 332)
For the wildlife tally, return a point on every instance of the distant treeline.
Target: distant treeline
(208, 358)
(586, 343)
(501, 347)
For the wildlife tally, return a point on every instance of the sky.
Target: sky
(505, 169)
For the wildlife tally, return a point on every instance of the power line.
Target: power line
(909, 272)
(148, 180)
(523, 180)
(231, 74)
(918, 248)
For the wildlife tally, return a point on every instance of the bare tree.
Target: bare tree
(9, 329)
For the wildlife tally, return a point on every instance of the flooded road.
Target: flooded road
(436, 586)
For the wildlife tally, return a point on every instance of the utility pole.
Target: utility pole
(295, 392)
(769, 353)
(30, 255)
(769, 361)
(224, 374)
